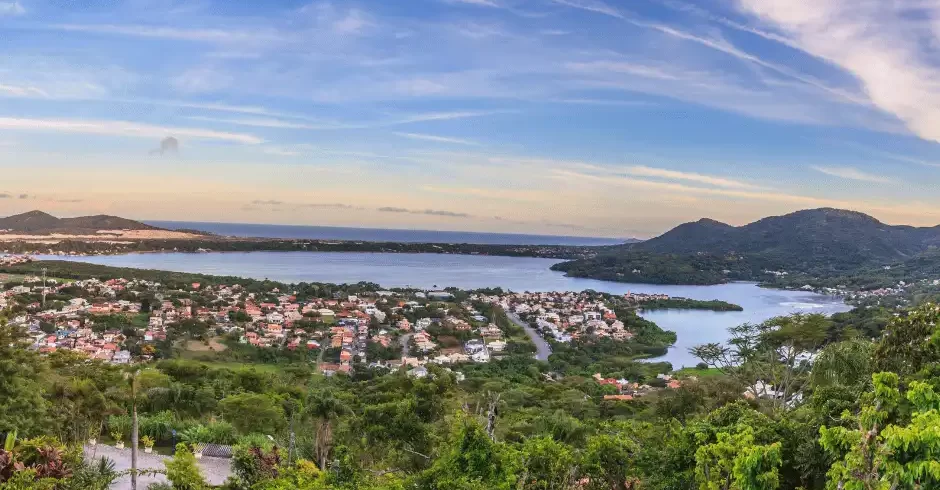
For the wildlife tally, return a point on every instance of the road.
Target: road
(215, 470)
(542, 349)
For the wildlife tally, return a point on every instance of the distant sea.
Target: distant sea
(381, 234)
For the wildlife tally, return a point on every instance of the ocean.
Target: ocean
(382, 234)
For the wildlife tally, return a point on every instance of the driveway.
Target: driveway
(215, 470)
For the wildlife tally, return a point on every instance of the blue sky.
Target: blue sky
(576, 117)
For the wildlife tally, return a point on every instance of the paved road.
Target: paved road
(215, 470)
(542, 349)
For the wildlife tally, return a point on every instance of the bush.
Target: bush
(701, 366)
(159, 426)
(183, 472)
(119, 424)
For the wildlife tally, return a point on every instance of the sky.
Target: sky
(567, 117)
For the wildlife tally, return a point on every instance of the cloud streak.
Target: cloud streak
(850, 173)
(121, 128)
(429, 212)
(11, 8)
(436, 138)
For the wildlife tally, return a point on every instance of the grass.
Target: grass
(699, 373)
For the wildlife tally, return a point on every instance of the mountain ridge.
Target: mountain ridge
(809, 231)
(821, 242)
(40, 222)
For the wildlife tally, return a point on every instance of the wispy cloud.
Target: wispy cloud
(479, 3)
(850, 173)
(592, 6)
(441, 116)
(11, 8)
(309, 205)
(173, 33)
(270, 123)
(122, 128)
(644, 171)
(881, 44)
(430, 212)
(436, 139)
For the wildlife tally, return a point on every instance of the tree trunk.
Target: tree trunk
(133, 435)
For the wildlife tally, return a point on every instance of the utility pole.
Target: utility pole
(43, 287)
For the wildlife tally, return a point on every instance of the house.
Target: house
(624, 398)
(481, 356)
(345, 356)
(496, 346)
(418, 372)
(439, 295)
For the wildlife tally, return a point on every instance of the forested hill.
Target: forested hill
(822, 242)
(39, 222)
(826, 233)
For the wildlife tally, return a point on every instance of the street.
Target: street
(543, 350)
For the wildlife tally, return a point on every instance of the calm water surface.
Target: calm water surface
(432, 271)
(381, 234)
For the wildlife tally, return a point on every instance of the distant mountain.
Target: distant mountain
(823, 233)
(38, 222)
(821, 242)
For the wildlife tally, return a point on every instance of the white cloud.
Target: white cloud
(644, 171)
(645, 71)
(481, 3)
(202, 79)
(443, 116)
(882, 44)
(267, 122)
(436, 139)
(11, 8)
(353, 23)
(174, 33)
(850, 173)
(121, 128)
(592, 6)
(21, 91)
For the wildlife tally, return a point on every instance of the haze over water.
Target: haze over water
(433, 271)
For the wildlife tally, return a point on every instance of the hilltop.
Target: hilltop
(41, 223)
(831, 234)
(820, 242)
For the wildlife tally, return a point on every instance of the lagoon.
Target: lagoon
(434, 271)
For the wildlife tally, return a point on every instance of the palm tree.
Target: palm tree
(323, 407)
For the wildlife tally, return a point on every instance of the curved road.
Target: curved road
(542, 349)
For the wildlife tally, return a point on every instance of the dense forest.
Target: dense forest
(802, 401)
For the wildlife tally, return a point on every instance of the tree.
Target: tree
(770, 358)
(879, 454)
(735, 462)
(608, 462)
(472, 461)
(22, 406)
(547, 465)
(253, 412)
(183, 472)
(323, 407)
(904, 348)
